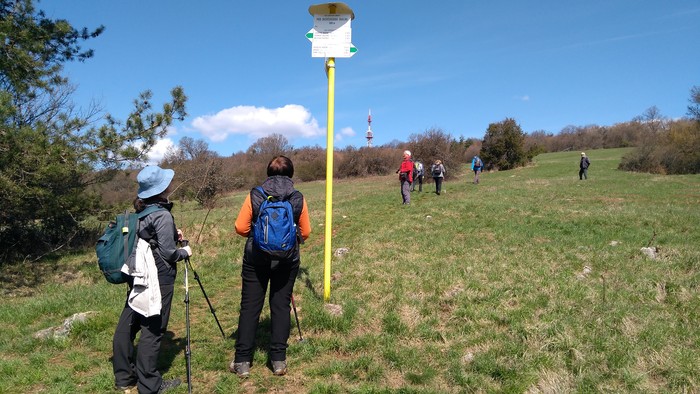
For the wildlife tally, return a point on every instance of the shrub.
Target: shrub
(676, 151)
(436, 144)
(503, 146)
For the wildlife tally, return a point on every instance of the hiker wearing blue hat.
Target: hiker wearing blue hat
(153, 181)
(158, 229)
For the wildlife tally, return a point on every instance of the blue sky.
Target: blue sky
(458, 65)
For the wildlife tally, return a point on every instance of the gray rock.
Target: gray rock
(64, 330)
(341, 252)
(651, 252)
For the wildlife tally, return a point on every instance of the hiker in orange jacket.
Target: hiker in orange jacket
(260, 271)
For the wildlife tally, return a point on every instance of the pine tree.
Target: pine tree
(48, 154)
(504, 145)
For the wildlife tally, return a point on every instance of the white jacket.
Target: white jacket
(144, 297)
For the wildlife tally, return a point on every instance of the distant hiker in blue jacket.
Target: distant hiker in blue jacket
(477, 167)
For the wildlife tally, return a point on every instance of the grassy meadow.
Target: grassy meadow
(530, 282)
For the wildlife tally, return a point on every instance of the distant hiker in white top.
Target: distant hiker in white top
(417, 176)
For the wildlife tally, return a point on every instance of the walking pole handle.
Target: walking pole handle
(184, 242)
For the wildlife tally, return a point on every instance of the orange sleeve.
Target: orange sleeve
(245, 218)
(305, 222)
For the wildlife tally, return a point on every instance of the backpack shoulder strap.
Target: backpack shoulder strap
(261, 190)
(144, 232)
(126, 233)
(296, 199)
(256, 200)
(149, 210)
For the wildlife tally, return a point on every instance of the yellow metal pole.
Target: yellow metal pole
(330, 70)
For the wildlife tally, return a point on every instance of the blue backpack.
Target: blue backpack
(274, 230)
(117, 243)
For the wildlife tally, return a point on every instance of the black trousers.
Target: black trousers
(583, 173)
(418, 179)
(256, 278)
(438, 184)
(143, 371)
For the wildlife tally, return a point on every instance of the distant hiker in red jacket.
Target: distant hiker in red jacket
(406, 177)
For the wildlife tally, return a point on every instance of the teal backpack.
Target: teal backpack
(117, 243)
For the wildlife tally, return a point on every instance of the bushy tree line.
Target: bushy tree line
(203, 175)
(504, 146)
(436, 144)
(576, 138)
(674, 149)
(662, 145)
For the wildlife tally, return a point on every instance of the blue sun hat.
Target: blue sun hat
(153, 180)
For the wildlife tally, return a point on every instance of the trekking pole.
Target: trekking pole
(211, 308)
(196, 277)
(188, 354)
(294, 306)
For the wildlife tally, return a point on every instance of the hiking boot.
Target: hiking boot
(166, 385)
(279, 368)
(128, 389)
(241, 369)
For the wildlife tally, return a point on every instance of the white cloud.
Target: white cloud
(291, 121)
(158, 151)
(347, 131)
(524, 98)
(344, 132)
(156, 154)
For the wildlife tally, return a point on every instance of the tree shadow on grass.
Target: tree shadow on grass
(22, 279)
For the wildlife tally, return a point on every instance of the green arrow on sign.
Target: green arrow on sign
(353, 49)
(309, 35)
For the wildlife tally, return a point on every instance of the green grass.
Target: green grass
(480, 289)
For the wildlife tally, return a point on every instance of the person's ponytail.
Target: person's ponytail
(139, 205)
